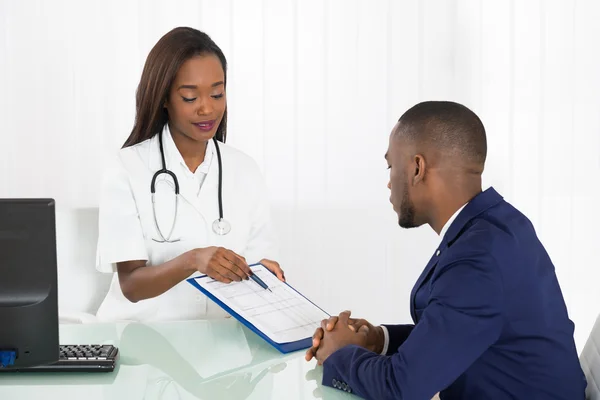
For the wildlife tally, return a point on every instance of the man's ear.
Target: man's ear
(419, 171)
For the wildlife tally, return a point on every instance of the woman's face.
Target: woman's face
(196, 102)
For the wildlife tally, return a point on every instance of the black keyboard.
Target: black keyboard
(79, 358)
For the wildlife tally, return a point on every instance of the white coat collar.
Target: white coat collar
(173, 157)
(204, 202)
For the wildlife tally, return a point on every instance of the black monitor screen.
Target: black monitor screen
(28, 283)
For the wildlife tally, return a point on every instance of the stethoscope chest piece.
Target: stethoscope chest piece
(221, 227)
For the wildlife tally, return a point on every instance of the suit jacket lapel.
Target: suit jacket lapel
(476, 206)
(430, 265)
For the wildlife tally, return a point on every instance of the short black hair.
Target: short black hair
(449, 127)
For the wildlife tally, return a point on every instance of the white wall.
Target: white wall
(315, 87)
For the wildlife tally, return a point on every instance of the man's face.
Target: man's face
(398, 159)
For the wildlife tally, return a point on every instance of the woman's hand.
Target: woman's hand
(219, 263)
(274, 267)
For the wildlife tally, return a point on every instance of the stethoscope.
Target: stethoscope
(220, 226)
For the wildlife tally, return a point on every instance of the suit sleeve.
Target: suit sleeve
(397, 335)
(458, 324)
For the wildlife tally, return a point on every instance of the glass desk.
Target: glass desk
(210, 359)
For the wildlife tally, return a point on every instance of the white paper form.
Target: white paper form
(283, 314)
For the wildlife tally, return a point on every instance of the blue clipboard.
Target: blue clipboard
(281, 347)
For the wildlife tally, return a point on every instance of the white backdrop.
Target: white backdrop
(314, 89)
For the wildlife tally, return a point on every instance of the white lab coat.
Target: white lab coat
(127, 227)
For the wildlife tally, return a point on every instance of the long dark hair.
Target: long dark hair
(162, 64)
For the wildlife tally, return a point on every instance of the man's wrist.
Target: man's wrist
(385, 340)
(380, 343)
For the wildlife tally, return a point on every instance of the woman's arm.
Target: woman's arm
(140, 281)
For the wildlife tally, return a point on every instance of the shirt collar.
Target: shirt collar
(174, 157)
(449, 222)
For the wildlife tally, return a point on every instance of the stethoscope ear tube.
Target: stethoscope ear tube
(164, 171)
(220, 178)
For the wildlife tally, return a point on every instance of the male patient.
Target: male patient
(490, 319)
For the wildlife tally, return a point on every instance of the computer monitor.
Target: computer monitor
(28, 283)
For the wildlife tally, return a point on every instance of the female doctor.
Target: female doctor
(177, 202)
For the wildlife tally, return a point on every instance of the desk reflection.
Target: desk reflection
(210, 360)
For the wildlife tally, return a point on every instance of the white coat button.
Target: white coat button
(437, 253)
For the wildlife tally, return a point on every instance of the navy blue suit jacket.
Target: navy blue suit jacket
(490, 321)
